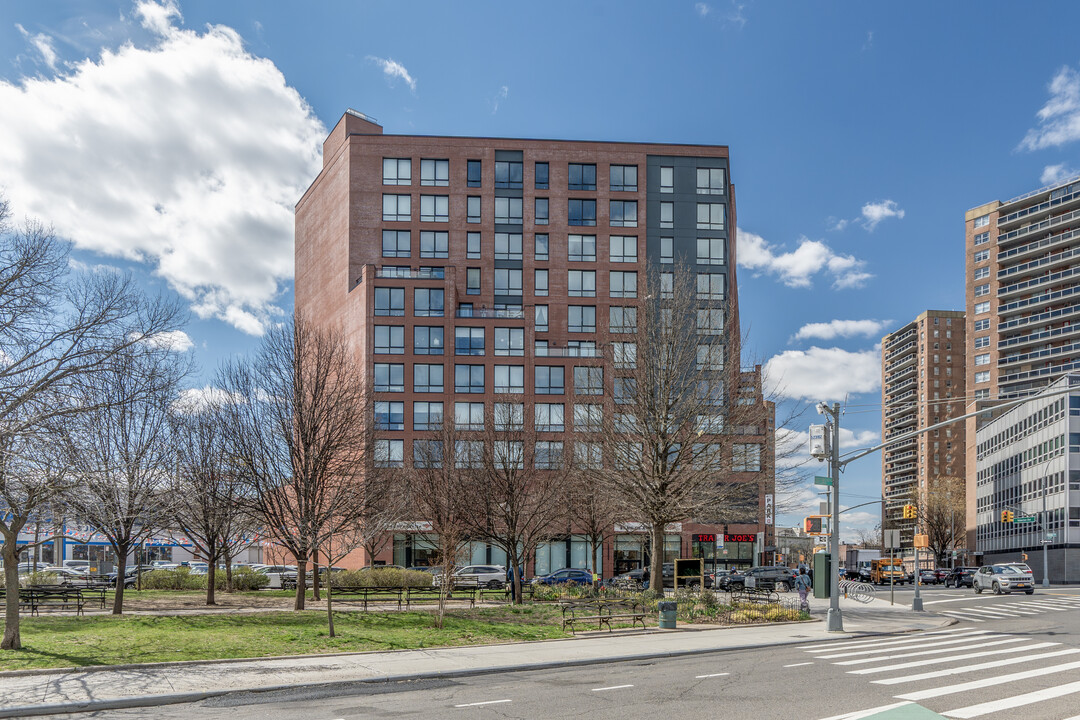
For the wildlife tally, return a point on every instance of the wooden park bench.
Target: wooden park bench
(755, 595)
(50, 597)
(602, 612)
(403, 596)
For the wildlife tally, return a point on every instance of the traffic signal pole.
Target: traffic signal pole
(835, 620)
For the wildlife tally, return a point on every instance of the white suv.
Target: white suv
(1003, 577)
(490, 576)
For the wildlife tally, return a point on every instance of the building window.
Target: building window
(509, 416)
(468, 341)
(710, 357)
(396, 171)
(395, 243)
(581, 283)
(982, 272)
(434, 244)
(624, 390)
(667, 179)
(710, 181)
(390, 301)
(710, 286)
(472, 209)
(581, 318)
(435, 172)
(588, 455)
(624, 178)
(389, 377)
(540, 247)
(667, 284)
(389, 453)
(548, 455)
(588, 417)
(427, 340)
(588, 380)
(472, 246)
(549, 417)
(540, 322)
(582, 177)
(982, 256)
(982, 359)
(982, 342)
(710, 322)
(473, 178)
(469, 378)
(667, 215)
(983, 394)
(746, 457)
(981, 377)
(434, 208)
(710, 216)
(981, 238)
(508, 246)
(541, 172)
(508, 282)
(427, 415)
(622, 319)
(581, 248)
(427, 378)
(541, 282)
(981, 290)
(624, 354)
(982, 221)
(427, 453)
(581, 212)
(396, 208)
(389, 340)
(548, 380)
(389, 415)
(710, 251)
(667, 250)
(541, 211)
(472, 281)
(469, 415)
(983, 307)
(508, 174)
(623, 213)
(622, 284)
(509, 454)
(428, 302)
(508, 211)
(510, 379)
(623, 249)
(983, 324)
(509, 341)
(469, 453)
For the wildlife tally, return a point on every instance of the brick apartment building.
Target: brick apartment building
(922, 383)
(464, 269)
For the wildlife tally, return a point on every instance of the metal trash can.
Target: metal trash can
(667, 610)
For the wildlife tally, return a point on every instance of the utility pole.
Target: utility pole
(834, 620)
(1045, 537)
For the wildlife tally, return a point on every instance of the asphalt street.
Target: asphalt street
(1010, 654)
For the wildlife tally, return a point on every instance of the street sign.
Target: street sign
(1051, 536)
(818, 480)
(891, 539)
(1025, 519)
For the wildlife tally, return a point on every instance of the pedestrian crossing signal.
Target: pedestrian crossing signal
(816, 525)
(1007, 516)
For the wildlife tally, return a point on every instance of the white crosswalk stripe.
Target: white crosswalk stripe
(881, 647)
(937, 651)
(988, 682)
(1013, 702)
(962, 616)
(980, 666)
(938, 661)
(865, 639)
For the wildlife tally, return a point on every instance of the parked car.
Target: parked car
(961, 577)
(767, 577)
(565, 576)
(491, 576)
(928, 577)
(1004, 577)
(70, 576)
(631, 580)
(29, 567)
(131, 575)
(279, 575)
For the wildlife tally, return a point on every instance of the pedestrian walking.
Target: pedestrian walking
(510, 584)
(802, 583)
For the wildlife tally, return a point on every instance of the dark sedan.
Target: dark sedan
(564, 577)
(961, 577)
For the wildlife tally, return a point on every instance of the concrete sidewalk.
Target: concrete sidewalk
(43, 692)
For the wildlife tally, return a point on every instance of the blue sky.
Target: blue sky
(172, 139)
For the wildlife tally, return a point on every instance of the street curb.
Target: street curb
(179, 698)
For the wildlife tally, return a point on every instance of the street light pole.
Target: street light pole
(835, 619)
(1045, 537)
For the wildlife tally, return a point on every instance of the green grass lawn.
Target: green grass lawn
(110, 640)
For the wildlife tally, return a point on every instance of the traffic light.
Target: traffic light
(1024, 555)
(1007, 516)
(812, 525)
(910, 512)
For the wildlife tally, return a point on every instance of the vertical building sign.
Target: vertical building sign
(768, 509)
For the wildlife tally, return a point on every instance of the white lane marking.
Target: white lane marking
(894, 646)
(613, 687)
(978, 666)
(988, 682)
(960, 616)
(698, 677)
(992, 613)
(935, 661)
(486, 702)
(935, 602)
(1014, 701)
(867, 713)
(916, 640)
(939, 651)
(799, 664)
(838, 643)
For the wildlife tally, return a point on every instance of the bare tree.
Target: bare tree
(679, 433)
(941, 509)
(208, 495)
(593, 510)
(437, 483)
(57, 326)
(515, 483)
(299, 436)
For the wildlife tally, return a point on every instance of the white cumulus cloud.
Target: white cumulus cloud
(175, 341)
(824, 373)
(42, 43)
(1059, 118)
(874, 212)
(840, 328)
(1054, 174)
(394, 70)
(195, 400)
(187, 155)
(798, 267)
